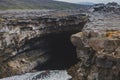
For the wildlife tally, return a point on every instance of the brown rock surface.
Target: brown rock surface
(25, 40)
(98, 49)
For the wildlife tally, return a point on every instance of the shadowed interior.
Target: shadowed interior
(63, 53)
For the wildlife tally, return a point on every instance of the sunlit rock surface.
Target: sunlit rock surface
(98, 49)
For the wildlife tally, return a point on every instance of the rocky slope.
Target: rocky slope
(25, 41)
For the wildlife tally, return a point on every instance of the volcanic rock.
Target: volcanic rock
(25, 41)
(98, 49)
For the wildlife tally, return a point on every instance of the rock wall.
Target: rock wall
(25, 41)
(98, 49)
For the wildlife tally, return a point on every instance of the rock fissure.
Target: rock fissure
(44, 44)
(38, 43)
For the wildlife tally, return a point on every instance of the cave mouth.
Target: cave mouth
(63, 53)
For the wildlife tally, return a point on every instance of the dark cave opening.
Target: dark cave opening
(63, 53)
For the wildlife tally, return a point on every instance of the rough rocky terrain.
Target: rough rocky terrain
(98, 48)
(109, 7)
(25, 41)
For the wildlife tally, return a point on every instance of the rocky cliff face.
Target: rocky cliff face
(98, 49)
(25, 41)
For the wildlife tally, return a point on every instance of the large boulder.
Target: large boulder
(98, 49)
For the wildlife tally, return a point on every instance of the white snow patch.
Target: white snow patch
(42, 75)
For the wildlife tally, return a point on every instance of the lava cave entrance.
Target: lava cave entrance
(63, 53)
